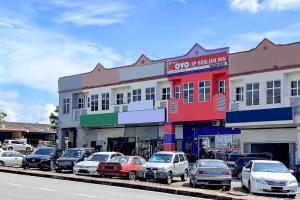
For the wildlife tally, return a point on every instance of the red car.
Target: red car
(121, 166)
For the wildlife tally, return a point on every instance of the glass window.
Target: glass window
(166, 93)
(120, 99)
(188, 92)
(80, 102)
(273, 92)
(270, 167)
(119, 159)
(66, 106)
(137, 95)
(94, 102)
(7, 154)
(239, 94)
(161, 158)
(177, 92)
(204, 91)
(252, 94)
(295, 88)
(128, 97)
(136, 161)
(142, 160)
(222, 87)
(98, 157)
(211, 164)
(181, 157)
(88, 104)
(105, 101)
(150, 93)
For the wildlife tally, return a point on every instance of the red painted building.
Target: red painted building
(199, 81)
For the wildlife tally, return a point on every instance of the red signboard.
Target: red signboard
(197, 63)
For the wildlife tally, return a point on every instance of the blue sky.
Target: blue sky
(43, 40)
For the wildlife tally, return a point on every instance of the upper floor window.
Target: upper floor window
(66, 106)
(239, 93)
(177, 92)
(94, 102)
(166, 93)
(222, 87)
(204, 90)
(188, 92)
(105, 101)
(150, 93)
(252, 94)
(295, 88)
(137, 95)
(80, 102)
(128, 97)
(120, 99)
(273, 92)
(88, 102)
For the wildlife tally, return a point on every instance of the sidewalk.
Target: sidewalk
(177, 187)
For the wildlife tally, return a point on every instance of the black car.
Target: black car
(43, 158)
(71, 157)
(240, 163)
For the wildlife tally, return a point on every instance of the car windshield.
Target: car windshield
(210, 164)
(73, 153)
(119, 159)
(44, 151)
(270, 167)
(161, 158)
(98, 157)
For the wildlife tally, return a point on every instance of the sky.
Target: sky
(41, 41)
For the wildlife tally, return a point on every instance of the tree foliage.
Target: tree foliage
(2, 116)
(54, 119)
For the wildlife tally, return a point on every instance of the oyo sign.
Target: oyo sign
(197, 63)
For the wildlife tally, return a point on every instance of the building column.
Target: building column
(169, 137)
(61, 138)
(80, 137)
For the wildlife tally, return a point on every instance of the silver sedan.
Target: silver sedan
(207, 172)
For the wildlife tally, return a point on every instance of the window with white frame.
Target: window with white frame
(136, 95)
(88, 102)
(295, 88)
(128, 97)
(204, 91)
(177, 92)
(66, 106)
(239, 94)
(166, 93)
(188, 92)
(150, 93)
(273, 92)
(222, 87)
(80, 102)
(94, 102)
(252, 94)
(120, 98)
(105, 101)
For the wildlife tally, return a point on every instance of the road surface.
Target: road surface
(22, 187)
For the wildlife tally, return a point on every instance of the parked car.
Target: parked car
(122, 166)
(207, 172)
(72, 156)
(43, 158)
(269, 177)
(90, 165)
(164, 166)
(11, 158)
(240, 163)
(16, 145)
(232, 159)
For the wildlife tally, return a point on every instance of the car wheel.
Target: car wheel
(169, 178)
(2, 163)
(52, 165)
(142, 179)
(239, 175)
(184, 176)
(193, 183)
(131, 176)
(227, 187)
(28, 149)
(10, 148)
(58, 170)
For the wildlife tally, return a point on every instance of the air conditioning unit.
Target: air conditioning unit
(216, 123)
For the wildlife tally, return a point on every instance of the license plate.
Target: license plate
(203, 183)
(83, 171)
(277, 188)
(33, 165)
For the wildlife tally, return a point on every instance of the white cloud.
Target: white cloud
(257, 5)
(92, 12)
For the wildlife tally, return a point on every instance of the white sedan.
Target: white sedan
(90, 165)
(11, 158)
(269, 177)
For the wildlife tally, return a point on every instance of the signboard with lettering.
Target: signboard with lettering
(198, 63)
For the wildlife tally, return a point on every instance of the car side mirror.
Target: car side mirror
(247, 170)
(292, 171)
(176, 161)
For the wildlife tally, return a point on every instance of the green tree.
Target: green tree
(54, 119)
(2, 116)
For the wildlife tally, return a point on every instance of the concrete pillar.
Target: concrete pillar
(80, 137)
(169, 137)
(61, 138)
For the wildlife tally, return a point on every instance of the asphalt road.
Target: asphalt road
(22, 187)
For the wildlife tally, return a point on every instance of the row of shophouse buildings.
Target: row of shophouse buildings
(205, 99)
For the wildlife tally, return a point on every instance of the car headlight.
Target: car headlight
(293, 182)
(143, 168)
(259, 180)
(45, 159)
(76, 166)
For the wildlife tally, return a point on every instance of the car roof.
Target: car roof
(169, 152)
(105, 153)
(266, 161)
(210, 160)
